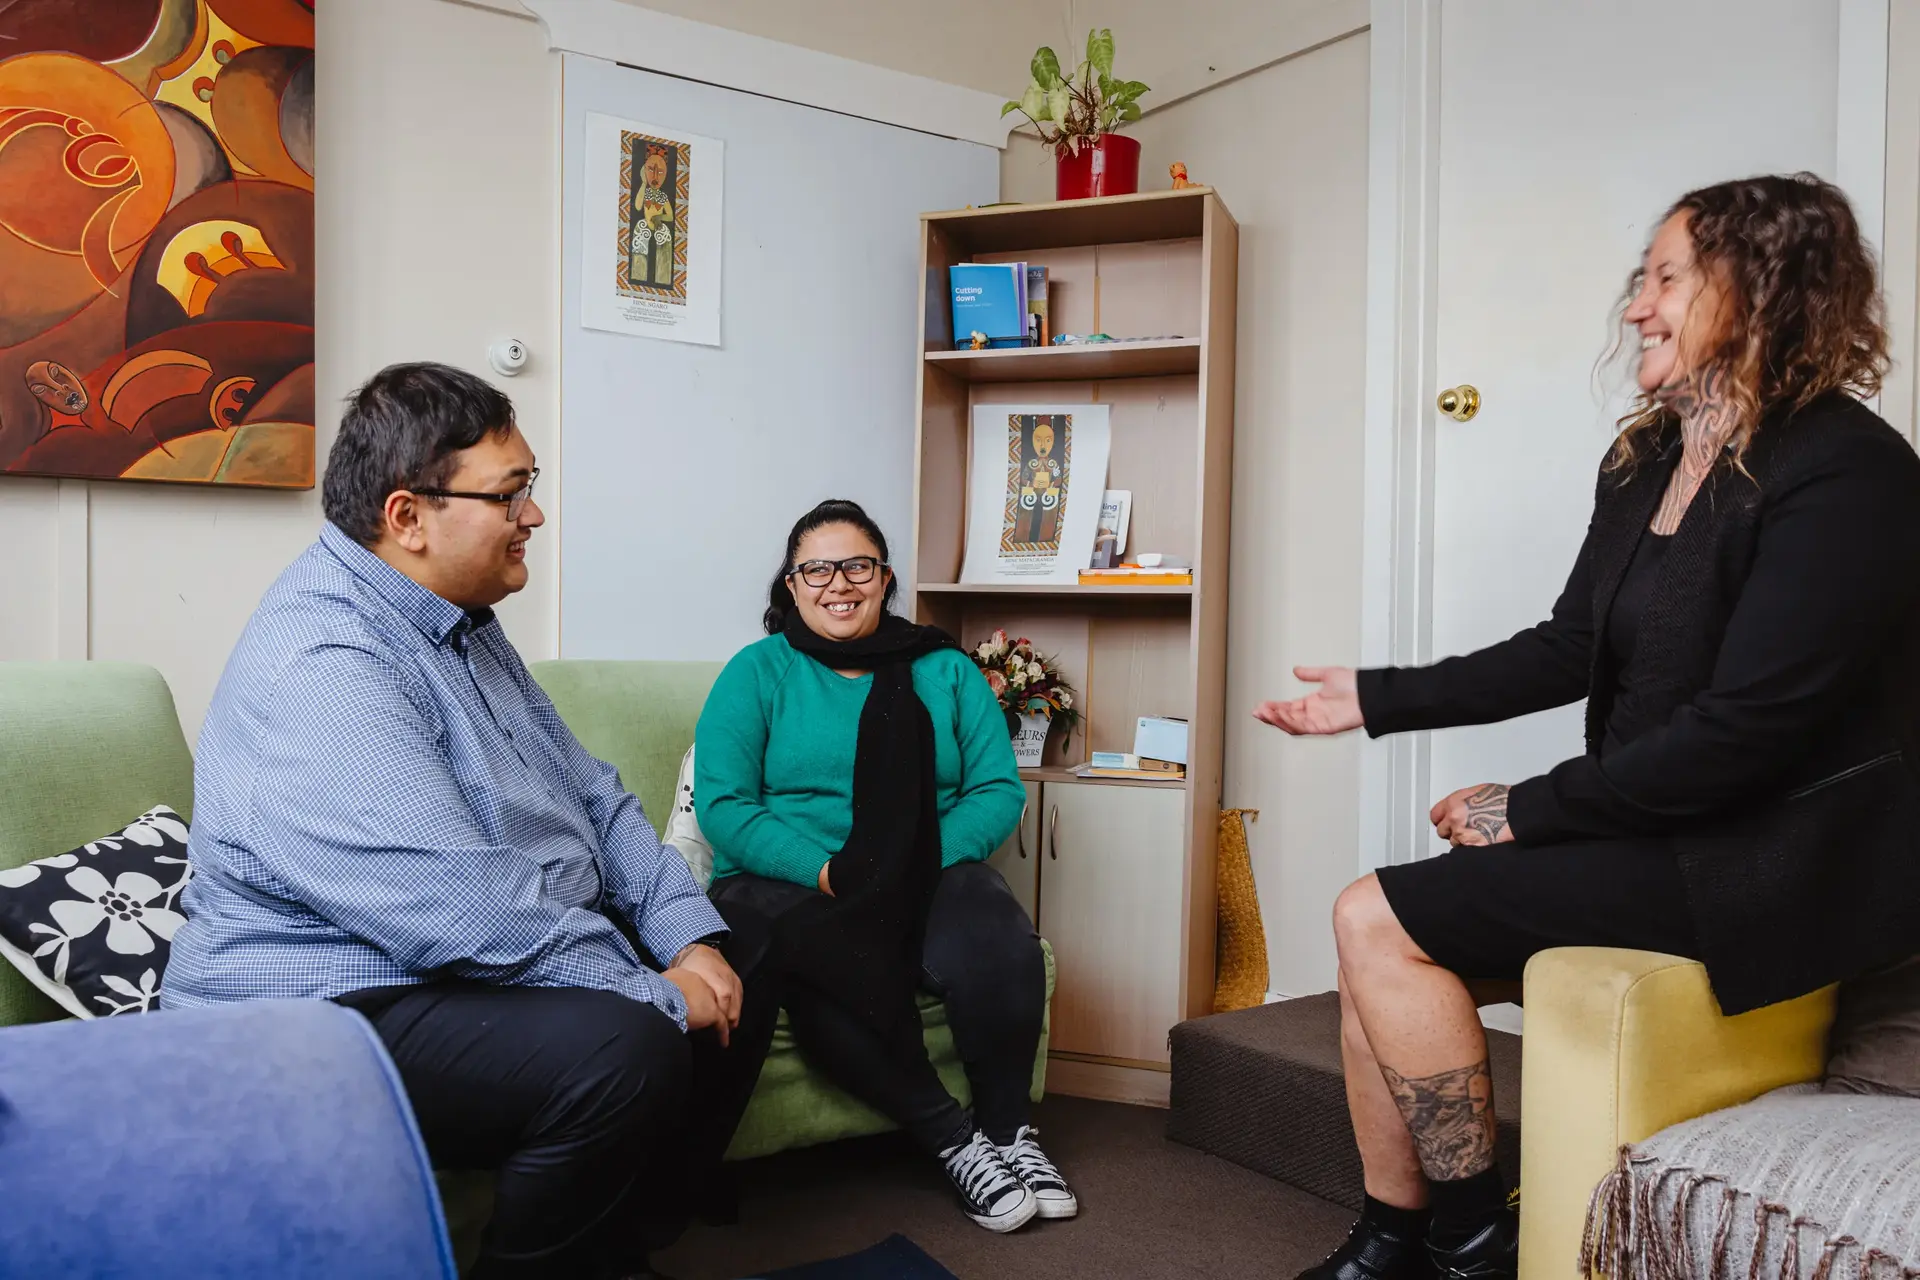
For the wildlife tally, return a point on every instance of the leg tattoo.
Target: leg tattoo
(1451, 1118)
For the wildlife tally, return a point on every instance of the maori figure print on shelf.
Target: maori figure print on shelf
(1036, 484)
(156, 240)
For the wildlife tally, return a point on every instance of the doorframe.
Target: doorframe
(1403, 169)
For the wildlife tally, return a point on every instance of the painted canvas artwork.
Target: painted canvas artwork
(156, 240)
(1039, 467)
(655, 175)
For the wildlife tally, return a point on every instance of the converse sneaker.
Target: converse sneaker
(989, 1192)
(1030, 1164)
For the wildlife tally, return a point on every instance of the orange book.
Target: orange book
(1136, 578)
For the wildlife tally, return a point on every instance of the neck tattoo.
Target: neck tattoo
(1706, 425)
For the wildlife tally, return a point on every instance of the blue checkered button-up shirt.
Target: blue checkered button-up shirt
(383, 796)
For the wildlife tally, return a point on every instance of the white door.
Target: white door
(1110, 906)
(1565, 131)
(1018, 860)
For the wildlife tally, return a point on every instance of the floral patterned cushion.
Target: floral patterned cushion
(92, 927)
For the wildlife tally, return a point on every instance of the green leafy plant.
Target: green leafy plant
(1072, 111)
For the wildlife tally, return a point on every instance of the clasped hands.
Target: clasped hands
(711, 988)
(1470, 816)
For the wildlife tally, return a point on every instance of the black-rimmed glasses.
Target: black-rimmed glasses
(515, 502)
(857, 570)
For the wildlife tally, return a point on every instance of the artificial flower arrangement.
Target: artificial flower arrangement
(1025, 683)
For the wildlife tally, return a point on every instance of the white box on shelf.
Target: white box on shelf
(1160, 738)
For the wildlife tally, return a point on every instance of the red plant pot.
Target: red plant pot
(1110, 166)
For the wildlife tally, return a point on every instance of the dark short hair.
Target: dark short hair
(832, 511)
(402, 430)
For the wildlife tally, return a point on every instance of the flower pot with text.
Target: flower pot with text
(1030, 740)
(1106, 166)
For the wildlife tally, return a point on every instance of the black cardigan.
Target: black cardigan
(1782, 636)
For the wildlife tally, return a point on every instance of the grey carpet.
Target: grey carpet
(1262, 1087)
(1149, 1210)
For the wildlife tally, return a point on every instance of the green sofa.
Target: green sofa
(88, 746)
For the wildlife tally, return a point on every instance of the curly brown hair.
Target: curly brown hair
(1803, 310)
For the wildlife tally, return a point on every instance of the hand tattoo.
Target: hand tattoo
(1487, 812)
(1451, 1118)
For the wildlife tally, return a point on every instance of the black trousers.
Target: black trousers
(983, 959)
(603, 1119)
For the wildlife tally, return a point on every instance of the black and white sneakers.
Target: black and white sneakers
(1030, 1164)
(990, 1192)
(1003, 1188)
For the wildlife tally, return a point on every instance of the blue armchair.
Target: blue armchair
(260, 1139)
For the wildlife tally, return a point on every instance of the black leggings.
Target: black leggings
(983, 959)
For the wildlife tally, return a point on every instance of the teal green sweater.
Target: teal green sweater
(773, 765)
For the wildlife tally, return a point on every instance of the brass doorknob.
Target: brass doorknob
(1459, 403)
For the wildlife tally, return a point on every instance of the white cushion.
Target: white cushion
(683, 828)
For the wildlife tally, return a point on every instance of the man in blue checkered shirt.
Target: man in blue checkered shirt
(389, 813)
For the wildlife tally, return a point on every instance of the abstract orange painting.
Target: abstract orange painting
(156, 240)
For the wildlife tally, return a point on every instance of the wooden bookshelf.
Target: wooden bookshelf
(1117, 852)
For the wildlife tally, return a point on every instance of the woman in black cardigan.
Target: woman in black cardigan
(1744, 623)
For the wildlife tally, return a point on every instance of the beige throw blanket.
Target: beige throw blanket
(1795, 1185)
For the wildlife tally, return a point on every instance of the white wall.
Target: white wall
(438, 144)
(1179, 49)
(982, 44)
(1299, 192)
(688, 464)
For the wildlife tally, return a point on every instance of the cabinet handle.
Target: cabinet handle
(1053, 834)
(1020, 832)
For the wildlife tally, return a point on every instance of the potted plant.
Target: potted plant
(1083, 111)
(1030, 691)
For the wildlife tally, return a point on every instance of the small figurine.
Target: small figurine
(1179, 172)
(979, 342)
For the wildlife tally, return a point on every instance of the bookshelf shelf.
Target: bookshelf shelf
(1109, 220)
(1053, 590)
(1094, 852)
(1053, 775)
(1075, 364)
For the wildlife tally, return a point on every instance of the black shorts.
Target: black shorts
(1483, 912)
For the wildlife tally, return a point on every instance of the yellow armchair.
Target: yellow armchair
(1619, 1045)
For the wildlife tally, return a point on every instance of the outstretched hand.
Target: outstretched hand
(1333, 708)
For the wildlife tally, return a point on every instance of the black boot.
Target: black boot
(1376, 1252)
(1491, 1253)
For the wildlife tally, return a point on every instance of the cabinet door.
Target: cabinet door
(1110, 905)
(1019, 858)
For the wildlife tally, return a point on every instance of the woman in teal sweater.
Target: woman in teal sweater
(853, 772)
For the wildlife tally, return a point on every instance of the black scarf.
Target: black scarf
(861, 946)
